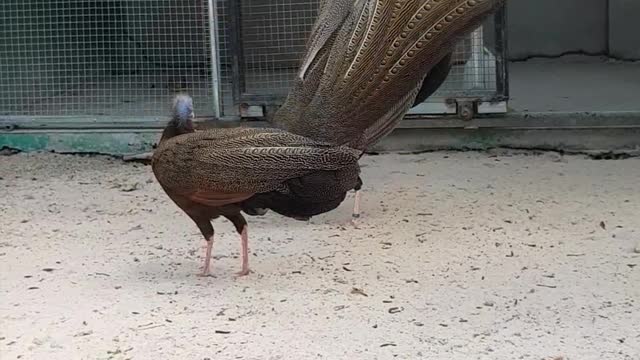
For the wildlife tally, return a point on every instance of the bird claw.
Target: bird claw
(354, 220)
(243, 272)
(204, 274)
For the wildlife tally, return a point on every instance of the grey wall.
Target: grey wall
(625, 28)
(553, 27)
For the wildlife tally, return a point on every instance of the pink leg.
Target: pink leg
(244, 237)
(207, 259)
(356, 205)
(356, 208)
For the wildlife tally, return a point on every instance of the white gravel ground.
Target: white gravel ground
(457, 256)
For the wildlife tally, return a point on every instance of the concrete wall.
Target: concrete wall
(553, 27)
(624, 39)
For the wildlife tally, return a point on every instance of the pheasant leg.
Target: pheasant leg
(356, 203)
(244, 237)
(356, 206)
(241, 227)
(207, 259)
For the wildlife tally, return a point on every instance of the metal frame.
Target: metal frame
(502, 41)
(238, 70)
(215, 56)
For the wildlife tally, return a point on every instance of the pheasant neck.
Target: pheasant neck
(175, 128)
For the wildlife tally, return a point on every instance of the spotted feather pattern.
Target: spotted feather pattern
(247, 160)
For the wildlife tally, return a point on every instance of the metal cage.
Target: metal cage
(94, 61)
(105, 59)
(265, 39)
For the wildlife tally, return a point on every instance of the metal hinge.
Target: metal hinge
(466, 109)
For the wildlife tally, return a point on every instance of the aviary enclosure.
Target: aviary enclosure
(112, 60)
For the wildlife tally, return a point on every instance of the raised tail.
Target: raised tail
(378, 61)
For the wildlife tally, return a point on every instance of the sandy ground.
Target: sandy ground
(458, 256)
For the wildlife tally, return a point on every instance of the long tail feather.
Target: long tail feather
(377, 62)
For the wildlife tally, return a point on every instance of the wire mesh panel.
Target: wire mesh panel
(478, 69)
(122, 58)
(274, 35)
(270, 38)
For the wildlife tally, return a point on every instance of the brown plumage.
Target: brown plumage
(221, 172)
(369, 61)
